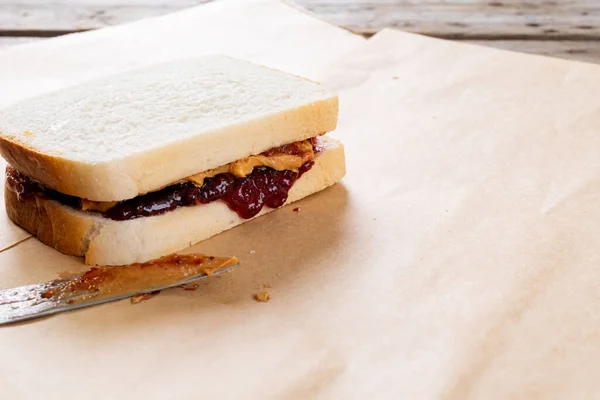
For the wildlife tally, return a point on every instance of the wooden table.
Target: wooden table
(562, 28)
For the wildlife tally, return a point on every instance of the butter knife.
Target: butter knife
(100, 285)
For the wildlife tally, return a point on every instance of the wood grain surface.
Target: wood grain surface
(587, 51)
(562, 28)
(475, 19)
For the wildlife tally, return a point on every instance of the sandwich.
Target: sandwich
(141, 164)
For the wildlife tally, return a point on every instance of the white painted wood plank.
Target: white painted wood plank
(579, 19)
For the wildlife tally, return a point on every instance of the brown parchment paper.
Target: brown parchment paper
(458, 258)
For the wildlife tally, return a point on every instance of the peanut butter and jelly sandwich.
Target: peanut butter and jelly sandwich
(141, 164)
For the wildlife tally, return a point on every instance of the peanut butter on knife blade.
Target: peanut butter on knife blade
(135, 278)
(104, 284)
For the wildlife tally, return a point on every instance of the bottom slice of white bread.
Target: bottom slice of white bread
(103, 241)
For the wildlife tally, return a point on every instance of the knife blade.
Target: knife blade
(100, 285)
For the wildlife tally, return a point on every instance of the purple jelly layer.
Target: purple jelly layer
(246, 196)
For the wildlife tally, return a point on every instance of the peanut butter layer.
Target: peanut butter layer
(287, 157)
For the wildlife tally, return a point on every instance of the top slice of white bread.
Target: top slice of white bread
(132, 133)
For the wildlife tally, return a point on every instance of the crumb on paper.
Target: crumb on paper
(138, 298)
(252, 251)
(262, 297)
(267, 285)
(189, 286)
(28, 133)
(297, 209)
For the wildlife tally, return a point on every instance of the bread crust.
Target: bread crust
(103, 241)
(54, 172)
(54, 224)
